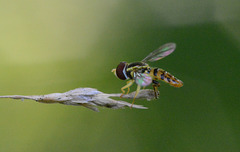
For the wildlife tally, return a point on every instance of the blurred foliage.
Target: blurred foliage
(56, 46)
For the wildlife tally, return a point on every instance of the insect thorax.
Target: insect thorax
(137, 67)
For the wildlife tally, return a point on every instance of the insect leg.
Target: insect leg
(155, 85)
(129, 83)
(128, 87)
(137, 91)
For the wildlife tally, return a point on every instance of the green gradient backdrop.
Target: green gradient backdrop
(54, 46)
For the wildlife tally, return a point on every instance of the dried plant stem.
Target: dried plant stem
(89, 98)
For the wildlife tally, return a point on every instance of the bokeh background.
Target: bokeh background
(54, 46)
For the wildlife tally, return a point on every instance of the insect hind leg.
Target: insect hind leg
(155, 85)
(129, 83)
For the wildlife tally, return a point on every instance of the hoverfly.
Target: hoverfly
(143, 75)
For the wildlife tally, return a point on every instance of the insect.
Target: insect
(143, 75)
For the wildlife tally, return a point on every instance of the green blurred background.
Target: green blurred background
(55, 46)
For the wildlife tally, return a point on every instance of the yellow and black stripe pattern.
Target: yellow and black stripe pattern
(160, 74)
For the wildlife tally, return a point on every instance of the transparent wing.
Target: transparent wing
(160, 53)
(143, 79)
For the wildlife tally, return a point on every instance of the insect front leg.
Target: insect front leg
(129, 86)
(155, 85)
(129, 83)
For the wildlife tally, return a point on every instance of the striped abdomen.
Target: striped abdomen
(160, 74)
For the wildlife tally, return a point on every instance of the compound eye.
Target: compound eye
(120, 71)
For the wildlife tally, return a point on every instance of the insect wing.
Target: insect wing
(143, 79)
(160, 53)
